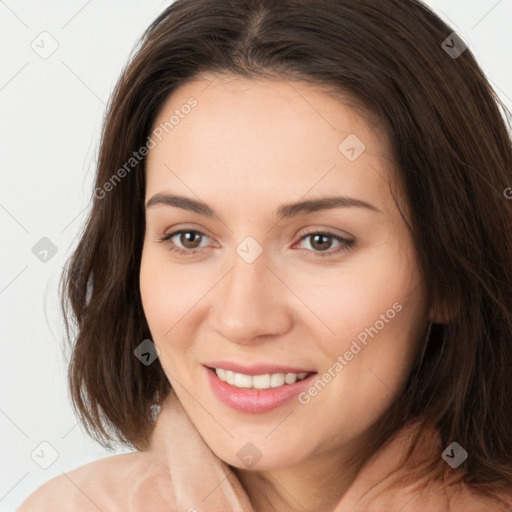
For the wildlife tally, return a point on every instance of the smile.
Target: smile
(265, 381)
(260, 389)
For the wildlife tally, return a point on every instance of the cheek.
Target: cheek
(378, 291)
(163, 307)
(166, 294)
(174, 302)
(376, 312)
(155, 298)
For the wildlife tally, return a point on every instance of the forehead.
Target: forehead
(266, 135)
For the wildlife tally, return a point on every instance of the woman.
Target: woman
(294, 288)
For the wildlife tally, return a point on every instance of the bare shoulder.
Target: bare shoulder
(106, 484)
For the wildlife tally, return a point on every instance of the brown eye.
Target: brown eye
(185, 241)
(189, 239)
(321, 242)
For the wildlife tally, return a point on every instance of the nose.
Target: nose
(250, 303)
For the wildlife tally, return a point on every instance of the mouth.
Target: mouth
(262, 381)
(257, 389)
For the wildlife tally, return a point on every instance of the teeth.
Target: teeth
(243, 381)
(261, 381)
(276, 380)
(230, 378)
(266, 381)
(290, 378)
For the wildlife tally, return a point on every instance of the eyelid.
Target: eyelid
(330, 231)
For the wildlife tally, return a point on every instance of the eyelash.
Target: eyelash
(346, 244)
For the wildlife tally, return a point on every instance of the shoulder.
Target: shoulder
(118, 482)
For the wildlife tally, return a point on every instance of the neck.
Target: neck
(314, 485)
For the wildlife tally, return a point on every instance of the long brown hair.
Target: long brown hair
(453, 157)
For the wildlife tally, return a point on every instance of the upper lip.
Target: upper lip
(257, 369)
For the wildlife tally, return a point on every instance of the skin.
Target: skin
(248, 147)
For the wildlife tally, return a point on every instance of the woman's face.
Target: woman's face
(286, 258)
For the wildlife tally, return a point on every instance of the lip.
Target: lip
(255, 401)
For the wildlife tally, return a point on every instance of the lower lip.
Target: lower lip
(255, 401)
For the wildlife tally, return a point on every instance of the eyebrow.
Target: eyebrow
(284, 211)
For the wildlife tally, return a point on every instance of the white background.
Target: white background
(51, 114)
